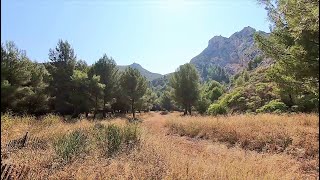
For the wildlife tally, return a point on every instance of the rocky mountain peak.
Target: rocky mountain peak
(231, 53)
(135, 65)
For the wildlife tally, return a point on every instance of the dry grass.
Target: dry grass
(295, 135)
(162, 156)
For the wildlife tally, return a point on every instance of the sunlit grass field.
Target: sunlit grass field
(171, 146)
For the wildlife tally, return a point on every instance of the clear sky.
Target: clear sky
(159, 35)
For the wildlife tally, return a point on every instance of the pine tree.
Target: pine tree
(185, 83)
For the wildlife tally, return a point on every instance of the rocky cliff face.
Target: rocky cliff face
(232, 53)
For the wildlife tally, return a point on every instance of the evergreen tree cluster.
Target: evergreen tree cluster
(68, 86)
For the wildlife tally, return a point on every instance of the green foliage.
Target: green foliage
(213, 72)
(80, 96)
(23, 83)
(131, 135)
(307, 103)
(81, 65)
(203, 105)
(185, 83)
(134, 86)
(294, 46)
(273, 106)
(70, 145)
(61, 68)
(95, 90)
(114, 139)
(212, 90)
(106, 68)
(254, 63)
(166, 101)
(146, 102)
(217, 109)
(252, 95)
(209, 93)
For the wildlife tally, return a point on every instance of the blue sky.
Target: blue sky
(159, 35)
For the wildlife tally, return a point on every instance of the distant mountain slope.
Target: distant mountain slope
(149, 75)
(231, 53)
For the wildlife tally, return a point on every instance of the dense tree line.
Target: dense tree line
(66, 85)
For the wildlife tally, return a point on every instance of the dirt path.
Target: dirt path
(155, 124)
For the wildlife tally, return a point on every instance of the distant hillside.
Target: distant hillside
(231, 53)
(149, 75)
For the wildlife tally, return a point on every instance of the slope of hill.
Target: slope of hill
(231, 53)
(149, 75)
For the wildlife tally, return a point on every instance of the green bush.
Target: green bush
(275, 106)
(308, 103)
(70, 145)
(131, 135)
(113, 139)
(203, 105)
(215, 109)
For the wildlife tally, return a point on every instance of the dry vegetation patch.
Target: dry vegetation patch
(296, 135)
(116, 149)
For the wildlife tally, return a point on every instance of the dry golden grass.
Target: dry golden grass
(295, 135)
(161, 155)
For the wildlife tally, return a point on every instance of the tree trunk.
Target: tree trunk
(189, 108)
(291, 100)
(132, 108)
(95, 108)
(87, 114)
(185, 110)
(104, 108)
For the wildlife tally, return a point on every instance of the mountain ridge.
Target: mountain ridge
(149, 75)
(233, 53)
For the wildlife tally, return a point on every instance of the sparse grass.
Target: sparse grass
(155, 155)
(264, 132)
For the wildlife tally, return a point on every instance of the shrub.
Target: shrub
(215, 109)
(131, 135)
(70, 145)
(114, 139)
(203, 105)
(273, 106)
(308, 103)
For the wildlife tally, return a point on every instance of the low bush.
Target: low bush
(113, 139)
(216, 109)
(203, 105)
(70, 145)
(275, 106)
